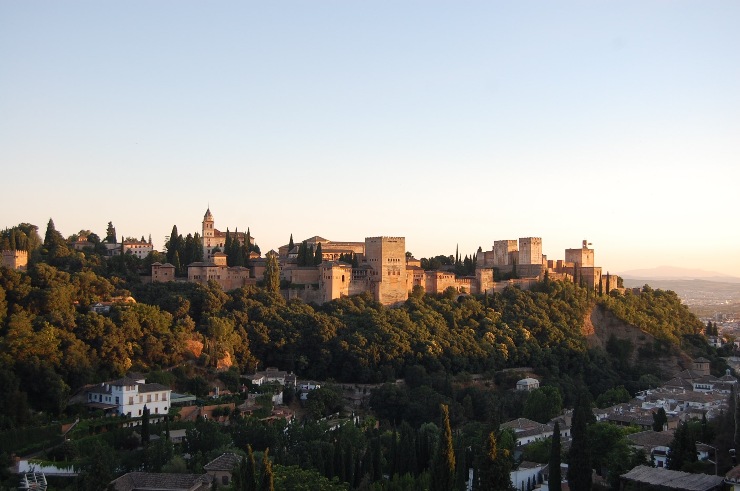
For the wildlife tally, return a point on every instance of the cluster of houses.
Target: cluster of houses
(691, 394)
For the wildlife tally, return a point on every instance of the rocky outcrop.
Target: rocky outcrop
(600, 325)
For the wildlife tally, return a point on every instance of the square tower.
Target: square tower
(583, 257)
(387, 258)
(530, 250)
(504, 252)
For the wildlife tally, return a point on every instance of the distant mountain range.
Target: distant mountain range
(674, 273)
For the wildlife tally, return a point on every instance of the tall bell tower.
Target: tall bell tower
(208, 234)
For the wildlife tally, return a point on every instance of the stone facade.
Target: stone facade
(229, 278)
(387, 258)
(162, 273)
(583, 257)
(138, 248)
(530, 251)
(505, 252)
(15, 259)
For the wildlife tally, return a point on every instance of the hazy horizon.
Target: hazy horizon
(449, 124)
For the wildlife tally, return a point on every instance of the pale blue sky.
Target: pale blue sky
(445, 122)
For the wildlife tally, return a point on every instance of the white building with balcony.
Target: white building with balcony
(128, 396)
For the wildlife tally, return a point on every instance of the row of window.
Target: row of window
(148, 398)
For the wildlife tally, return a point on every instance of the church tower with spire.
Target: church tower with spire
(213, 237)
(209, 239)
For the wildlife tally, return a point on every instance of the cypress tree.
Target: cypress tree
(393, 459)
(173, 245)
(443, 472)
(555, 478)
(145, 426)
(236, 247)
(660, 418)
(302, 251)
(248, 241)
(579, 465)
(272, 274)
(735, 407)
(407, 450)
(267, 476)
(227, 248)
(318, 257)
(248, 473)
(377, 459)
(310, 258)
(682, 448)
(291, 245)
(495, 467)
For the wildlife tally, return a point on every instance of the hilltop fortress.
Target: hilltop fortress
(379, 265)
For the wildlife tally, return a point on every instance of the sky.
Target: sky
(453, 124)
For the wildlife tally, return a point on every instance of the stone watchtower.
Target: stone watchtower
(209, 239)
(530, 250)
(387, 258)
(15, 259)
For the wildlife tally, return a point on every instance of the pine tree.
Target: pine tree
(54, 243)
(50, 236)
(267, 476)
(443, 472)
(110, 234)
(555, 478)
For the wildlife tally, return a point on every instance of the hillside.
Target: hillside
(602, 327)
(52, 342)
